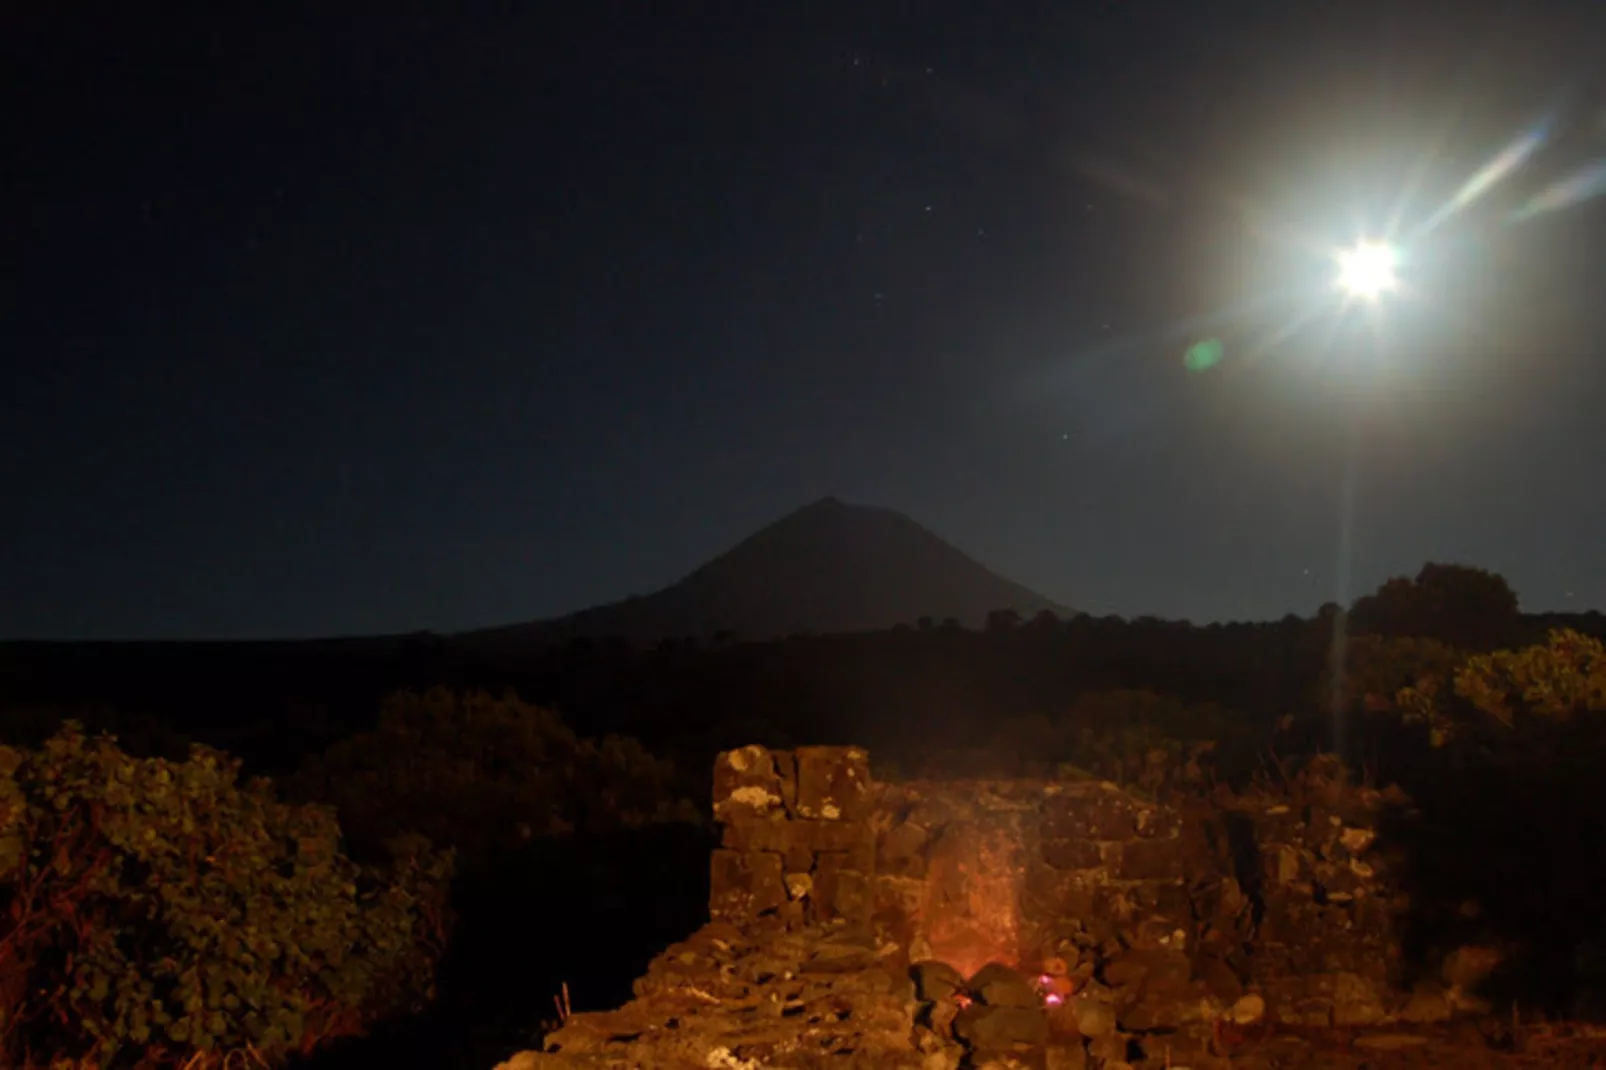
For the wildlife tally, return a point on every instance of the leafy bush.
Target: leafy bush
(157, 913)
(1533, 688)
(476, 773)
(1378, 668)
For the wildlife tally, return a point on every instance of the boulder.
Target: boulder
(936, 980)
(999, 986)
(987, 1028)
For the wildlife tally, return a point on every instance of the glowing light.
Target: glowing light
(1203, 355)
(1366, 270)
(1053, 999)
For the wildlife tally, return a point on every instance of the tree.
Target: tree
(1466, 607)
(157, 913)
(1045, 622)
(1003, 620)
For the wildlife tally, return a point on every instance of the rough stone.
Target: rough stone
(1248, 1010)
(745, 884)
(1108, 1050)
(936, 980)
(840, 892)
(1428, 1005)
(1073, 854)
(1356, 1001)
(746, 784)
(988, 1028)
(901, 850)
(1065, 1057)
(1467, 968)
(999, 986)
(833, 783)
(1094, 1018)
(1102, 813)
(1151, 860)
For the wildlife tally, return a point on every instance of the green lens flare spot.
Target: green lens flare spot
(1202, 356)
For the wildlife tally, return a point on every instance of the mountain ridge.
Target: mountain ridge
(826, 568)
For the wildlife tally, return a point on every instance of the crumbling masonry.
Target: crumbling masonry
(1049, 924)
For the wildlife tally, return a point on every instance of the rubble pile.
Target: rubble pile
(730, 998)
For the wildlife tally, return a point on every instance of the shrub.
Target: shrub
(157, 913)
(477, 773)
(1525, 690)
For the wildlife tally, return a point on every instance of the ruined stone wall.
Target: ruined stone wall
(1326, 947)
(1279, 891)
(926, 923)
(798, 844)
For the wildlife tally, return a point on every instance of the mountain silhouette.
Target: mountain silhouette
(827, 568)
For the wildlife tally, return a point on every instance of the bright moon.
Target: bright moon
(1366, 270)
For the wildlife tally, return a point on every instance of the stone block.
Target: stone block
(1357, 1001)
(1161, 972)
(833, 783)
(1073, 854)
(935, 980)
(902, 850)
(1097, 814)
(1158, 822)
(1143, 860)
(1112, 902)
(1049, 893)
(847, 837)
(841, 893)
(744, 885)
(999, 986)
(1094, 1017)
(1165, 898)
(744, 832)
(746, 784)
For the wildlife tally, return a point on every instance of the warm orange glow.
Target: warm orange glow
(970, 911)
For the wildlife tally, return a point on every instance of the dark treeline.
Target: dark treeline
(272, 704)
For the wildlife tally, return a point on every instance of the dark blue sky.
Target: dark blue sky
(340, 325)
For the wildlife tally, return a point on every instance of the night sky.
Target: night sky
(355, 325)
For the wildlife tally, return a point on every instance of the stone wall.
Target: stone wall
(1065, 924)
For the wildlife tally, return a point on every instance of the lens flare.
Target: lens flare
(1367, 270)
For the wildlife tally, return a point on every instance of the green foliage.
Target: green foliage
(1533, 687)
(476, 772)
(158, 913)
